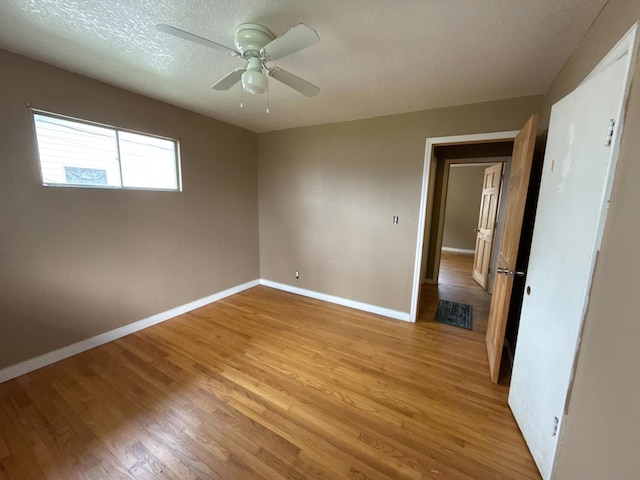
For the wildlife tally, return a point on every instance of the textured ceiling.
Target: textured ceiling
(375, 57)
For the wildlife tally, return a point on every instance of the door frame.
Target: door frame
(425, 213)
(448, 163)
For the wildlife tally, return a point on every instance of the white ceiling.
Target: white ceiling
(375, 57)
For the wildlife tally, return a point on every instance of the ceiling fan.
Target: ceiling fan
(257, 45)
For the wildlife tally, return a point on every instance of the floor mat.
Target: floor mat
(456, 314)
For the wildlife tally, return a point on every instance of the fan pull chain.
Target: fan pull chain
(267, 99)
(241, 102)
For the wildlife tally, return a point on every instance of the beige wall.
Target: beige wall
(78, 262)
(328, 194)
(464, 193)
(601, 434)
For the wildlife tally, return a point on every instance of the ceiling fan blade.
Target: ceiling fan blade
(176, 32)
(299, 37)
(228, 81)
(294, 82)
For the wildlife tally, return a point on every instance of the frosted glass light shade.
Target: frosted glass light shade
(254, 81)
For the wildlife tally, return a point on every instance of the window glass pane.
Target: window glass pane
(148, 162)
(85, 176)
(85, 154)
(75, 153)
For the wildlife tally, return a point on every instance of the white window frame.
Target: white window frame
(117, 130)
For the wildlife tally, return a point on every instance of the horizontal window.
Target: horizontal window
(84, 154)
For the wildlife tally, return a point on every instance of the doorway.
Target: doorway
(440, 154)
(473, 212)
(521, 148)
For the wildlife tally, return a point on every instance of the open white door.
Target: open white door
(569, 221)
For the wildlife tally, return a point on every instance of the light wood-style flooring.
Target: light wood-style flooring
(456, 284)
(267, 385)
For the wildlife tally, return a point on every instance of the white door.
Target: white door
(567, 231)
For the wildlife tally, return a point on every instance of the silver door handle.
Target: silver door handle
(510, 273)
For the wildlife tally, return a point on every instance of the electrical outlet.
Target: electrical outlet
(297, 274)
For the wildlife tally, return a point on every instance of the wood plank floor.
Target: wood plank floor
(457, 285)
(267, 385)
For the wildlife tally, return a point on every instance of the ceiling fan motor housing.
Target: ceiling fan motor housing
(251, 37)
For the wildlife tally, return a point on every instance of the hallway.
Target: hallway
(456, 285)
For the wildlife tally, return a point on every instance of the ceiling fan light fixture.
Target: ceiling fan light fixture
(254, 81)
(257, 45)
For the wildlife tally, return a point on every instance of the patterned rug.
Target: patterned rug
(456, 314)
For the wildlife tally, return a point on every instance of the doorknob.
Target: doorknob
(510, 273)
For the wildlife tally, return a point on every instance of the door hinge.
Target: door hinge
(609, 138)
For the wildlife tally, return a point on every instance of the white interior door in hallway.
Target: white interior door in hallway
(574, 192)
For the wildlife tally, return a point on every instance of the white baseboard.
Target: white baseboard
(458, 250)
(48, 358)
(387, 312)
